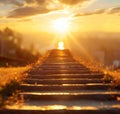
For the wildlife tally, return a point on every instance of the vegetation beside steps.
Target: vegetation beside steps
(10, 79)
(110, 76)
(114, 77)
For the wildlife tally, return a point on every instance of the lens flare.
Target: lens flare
(61, 45)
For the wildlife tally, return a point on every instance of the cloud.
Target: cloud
(81, 14)
(13, 2)
(35, 1)
(114, 10)
(30, 8)
(29, 1)
(98, 11)
(22, 2)
(72, 2)
(27, 11)
(24, 20)
(41, 1)
(34, 7)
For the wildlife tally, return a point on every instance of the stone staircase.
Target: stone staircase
(61, 85)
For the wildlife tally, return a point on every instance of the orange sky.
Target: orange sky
(33, 18)
(38, 15)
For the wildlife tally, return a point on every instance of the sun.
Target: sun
(61, 25)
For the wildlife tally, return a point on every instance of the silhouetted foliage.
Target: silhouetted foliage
(11, 46)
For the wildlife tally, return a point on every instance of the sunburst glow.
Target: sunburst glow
(61, 25)
(61, 45)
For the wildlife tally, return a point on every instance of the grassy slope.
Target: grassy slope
(110, 75)
(11, 74)
(10, 79)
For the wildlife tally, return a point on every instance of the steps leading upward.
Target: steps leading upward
(62, 85)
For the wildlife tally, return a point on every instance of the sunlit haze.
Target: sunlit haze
(44, 23)
(60, 56)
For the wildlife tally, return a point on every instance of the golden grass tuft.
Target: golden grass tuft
(10, 79)
(12, 74)
(16, 74)
(109, 75)
(116, 76)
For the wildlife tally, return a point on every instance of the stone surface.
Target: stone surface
(62, 85)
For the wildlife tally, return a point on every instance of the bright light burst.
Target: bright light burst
(61, 25)
(61, 45)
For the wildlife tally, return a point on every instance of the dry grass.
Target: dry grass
(91, 64)
(110, 75)
(10, 79)
(12, 74)
(16, 73)
(116, 76)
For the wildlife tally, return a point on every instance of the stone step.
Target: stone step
(60, 55)
(62, 85)
(68, 76)
(78, 91)
(55, 55)
(59, 60)
(103, 96)
(62, 81)
(44, 87)
(59, 65)
(59, 52)
(59, 71)
(71, 57)
(69, 110)
(77, 103)
(62, 110)
(63, 66)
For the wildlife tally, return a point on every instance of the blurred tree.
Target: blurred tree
(32, 48)
(11, 46)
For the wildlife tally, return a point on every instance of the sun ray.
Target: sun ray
(73, 40)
